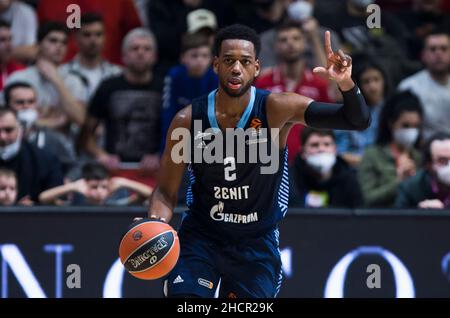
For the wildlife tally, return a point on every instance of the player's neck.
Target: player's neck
(231, 106)
(138, 78)
(440, 77)
(90, 62)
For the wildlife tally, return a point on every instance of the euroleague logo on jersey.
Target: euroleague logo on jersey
(256, 123)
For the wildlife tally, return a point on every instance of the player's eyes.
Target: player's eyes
(246, 62)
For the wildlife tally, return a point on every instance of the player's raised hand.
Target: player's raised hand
(339, 66)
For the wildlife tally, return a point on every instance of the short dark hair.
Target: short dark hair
(193, 41)
(89, 18)
(10, 87)
(5, 24)
(427, 158)
(287, 25)
(237, 32)
(397, 104)
(94, 171)
(309, 131)
(50, 26)
(4, 111)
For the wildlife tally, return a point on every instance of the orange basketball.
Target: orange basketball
(150, 249)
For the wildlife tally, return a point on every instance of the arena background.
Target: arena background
(325, 253)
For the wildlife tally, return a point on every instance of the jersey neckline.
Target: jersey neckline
(244, 118)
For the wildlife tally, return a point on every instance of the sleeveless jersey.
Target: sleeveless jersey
(232, 196)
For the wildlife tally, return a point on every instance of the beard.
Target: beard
(236, 93)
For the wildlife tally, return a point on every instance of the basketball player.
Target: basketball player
(229, 235)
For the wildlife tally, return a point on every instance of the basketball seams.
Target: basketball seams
(150, 221)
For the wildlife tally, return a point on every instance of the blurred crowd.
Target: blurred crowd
(85, 111)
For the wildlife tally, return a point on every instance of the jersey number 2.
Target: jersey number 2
(230, 168)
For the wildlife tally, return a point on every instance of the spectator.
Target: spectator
(319, 177)
(129, 105)
(8, 187)
(192, 78)
(169, 22)
(293, 75)
(22, 99)
(7, 64)
(31, 164)
(372, 80)
(388, 43)
(432, 85)
(88, 64)
(430, 187)
(393, 158)
(422, 18)
(61, 97)
(96, 187)
(263, 15)
(120, 17)
(24, 27)
(300, 12)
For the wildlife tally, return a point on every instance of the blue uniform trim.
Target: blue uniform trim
(189, 194)
(244, 118)
(283, 191)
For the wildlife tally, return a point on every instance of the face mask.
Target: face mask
(406, 137)
(27, 117)
(443, 174)
(10, 151)
(362, 4)
(300, 10)
(322, 162)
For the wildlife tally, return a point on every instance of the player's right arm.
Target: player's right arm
(164, 198)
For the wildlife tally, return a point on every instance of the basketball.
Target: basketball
(149, 249)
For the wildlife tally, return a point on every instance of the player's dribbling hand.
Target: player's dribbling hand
(339, 66)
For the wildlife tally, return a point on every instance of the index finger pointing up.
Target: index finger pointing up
(328, 48)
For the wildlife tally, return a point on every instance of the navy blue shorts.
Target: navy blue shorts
(249, 268)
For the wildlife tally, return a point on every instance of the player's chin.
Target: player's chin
(236, 90)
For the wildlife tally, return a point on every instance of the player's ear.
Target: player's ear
(216, 64)
(257, 67)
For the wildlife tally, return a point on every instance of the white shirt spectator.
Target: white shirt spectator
(90, 77)
(47, 94)
(24, 24)
(435, 99)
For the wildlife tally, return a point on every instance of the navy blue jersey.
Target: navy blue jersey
(232, 197)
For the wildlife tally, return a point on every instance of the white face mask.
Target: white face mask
(300, 10)
(406, 137)
(443, 174)
(322, 162)
(27, 117)
(11, 150)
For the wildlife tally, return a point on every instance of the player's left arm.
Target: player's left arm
(353, 114)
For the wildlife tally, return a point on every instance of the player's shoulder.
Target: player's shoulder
(183, 117)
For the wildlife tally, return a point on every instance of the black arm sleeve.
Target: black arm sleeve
(354, 114)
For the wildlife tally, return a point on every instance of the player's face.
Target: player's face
(98, 191)
(236, 66)
(440, 153)
(8, 190)
(90, 39)
(290, 45)
(318, 144)
(372, 85)
(436, 55)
